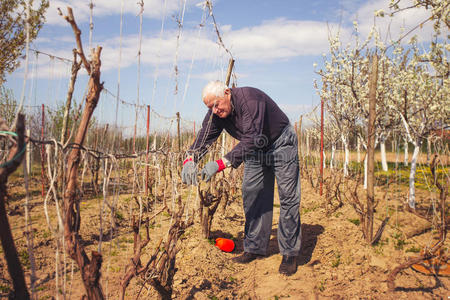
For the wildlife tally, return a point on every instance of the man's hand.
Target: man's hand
(211, 168)
(189, 172)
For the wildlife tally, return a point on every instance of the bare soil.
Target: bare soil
(335, 261)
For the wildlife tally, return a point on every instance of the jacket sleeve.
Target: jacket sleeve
(253, 113)
(210, 131)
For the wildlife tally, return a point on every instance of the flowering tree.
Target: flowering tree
(331, 134)
(346, 78)
(338, 80)
(14, 17)
(421, 89)
(422, 101)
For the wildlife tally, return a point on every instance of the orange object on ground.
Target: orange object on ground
(226, 245)
(433, 266)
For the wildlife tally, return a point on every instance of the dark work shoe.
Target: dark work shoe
(246, 257)
(288, 265)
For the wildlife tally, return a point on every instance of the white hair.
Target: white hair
(215, 88)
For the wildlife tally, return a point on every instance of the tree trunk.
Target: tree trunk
(428, 150)
(384, 164)
(412, 175)
(73, 78)
(344, 139)
(397, 152)
(89, 268)
(365, 173)
(333, 152)
(324, 164)
(406, 152)
(12, 258)
(371, 148)
(358, 149)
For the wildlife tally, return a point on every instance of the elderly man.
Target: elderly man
(268, 147)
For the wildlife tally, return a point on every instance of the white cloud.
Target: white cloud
(272, 40)
(279, 39)
(156, 51)
(218, 75)
(45, 68)
(393, 28)
(152, 9)
(295, 109)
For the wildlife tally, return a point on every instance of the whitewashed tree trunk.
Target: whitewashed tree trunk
(324, 159)
(358, 149)
(428, 149)
(412, 175)
(346, 153)
(28, 157)
(383, 155)
(333, 151)
(406, 153)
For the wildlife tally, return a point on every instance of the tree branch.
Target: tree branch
(71, 20)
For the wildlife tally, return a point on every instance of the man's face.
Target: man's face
(220, 106)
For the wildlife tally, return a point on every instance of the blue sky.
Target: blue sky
(274, 43)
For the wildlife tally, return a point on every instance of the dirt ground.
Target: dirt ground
(335, 262)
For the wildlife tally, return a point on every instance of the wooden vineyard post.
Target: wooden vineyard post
(230, 70)
(147, 150)
(321, 145)
(42, 152)
(371, 148)
(178, 132)
(28, 156)
(227, 83)
(299, 137)
(133, 145)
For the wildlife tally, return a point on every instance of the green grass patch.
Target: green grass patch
(46, 234)
(399, 242)
(119, 216)
(127, 240)
(337, 260)
(41, 288)
(321, 285)
(355, 221)
(306, 210)
(24, 259)
(423, 178)
(5, 288)
(379, 247)
(413, 249)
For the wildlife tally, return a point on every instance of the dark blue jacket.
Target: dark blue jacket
(255, 121)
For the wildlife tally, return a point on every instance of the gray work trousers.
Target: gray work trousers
(280, 161)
